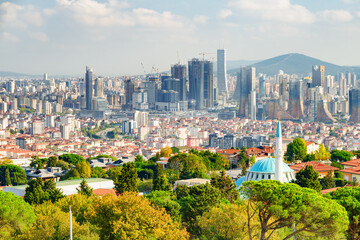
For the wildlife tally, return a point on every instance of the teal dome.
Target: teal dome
(267, 165)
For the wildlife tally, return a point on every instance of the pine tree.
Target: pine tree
(85, 189)
(160, 181)
(309, 178)
(127, 180)
(7, 178)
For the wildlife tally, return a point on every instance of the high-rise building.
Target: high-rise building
(262, 86)
(65, 131)
(244, 86)
(201, 83)
(343, 87)
(296, 107)
(99, 87)
(221, 71)
(253, 105)
(178, 71)
(89, 88)
(50, 121)
(354, 105)
(129, 90)
(318, 76)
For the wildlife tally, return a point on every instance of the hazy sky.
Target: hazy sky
(114, 36)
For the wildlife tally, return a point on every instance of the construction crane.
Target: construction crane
(143, 68)
(204, 53)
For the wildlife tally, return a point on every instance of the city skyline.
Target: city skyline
(117, 36)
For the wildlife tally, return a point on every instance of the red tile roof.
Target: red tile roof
(355, 170)
(319, 167)
(354, 163)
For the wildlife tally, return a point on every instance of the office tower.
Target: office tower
(65, 131)
(10, 86)
(354, 105)
(129, 90)
(253, 105)
(296, 107)
(45, 77)
(228, 141)
(140, 100)
(201, 83)
(342, 87)
(99, 87)
(128, 126)
(262, 86)
(89, 88)
(221, 71)
(178, 71)
(244, 86)
(318, 76)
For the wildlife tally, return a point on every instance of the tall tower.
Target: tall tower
(354, 105)
(221, 71)
(244, 86)
(318, 76)
(99, 87)
(296, 107)
(279, 154)
(201, 83)
(89, 87)
(178, 71)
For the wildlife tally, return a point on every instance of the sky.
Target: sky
(117, 37)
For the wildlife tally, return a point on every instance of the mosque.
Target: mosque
(270, 168)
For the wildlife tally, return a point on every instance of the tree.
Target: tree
(37, 162)
(194, 201)
(340, 156)
(328, 181)
(5, 161)
(309, 157)
(130, 216)
(34, 193)
(7, 178)
(15, 215)
(226, 186)
(127, 180)
(17, 174)
(166, 151)
(277, 205)
(64, 165)
(227, 221)
(322, 153)
(71, 158)
(139, 158)
(296, 150)
(52, 161)
(243, 159)
(349, 198)
(81, 170)
(309, 178)
(166, 200)
(53, 223)
(98, 172)
(85, 189)
(160, 181)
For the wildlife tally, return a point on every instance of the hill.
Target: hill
(295, 63)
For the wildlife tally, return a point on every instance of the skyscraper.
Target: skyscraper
(354, 105)
(318, 76)
(244, 86)
(201, 83)
(221, 71)
(178, 71)
(129, 90)
(89, 88)
(296, 107)
(99, 87)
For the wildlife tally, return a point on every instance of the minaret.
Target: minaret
(279, 154)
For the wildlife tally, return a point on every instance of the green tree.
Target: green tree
(127, 180)
(226, 186)
(166, 200)
(243, 159)
(7, 178)
(81, 170)
(308, 178)
(15, 215)
(277, 205)
(349, 198)
(98, 172)
(340, 156)
(114, 173)
(85, 189)
(160, 181)
(37, 162)
(34, 193)
(71, 158)
(322, 153)
(130, 216)
(52, 161)
(309, 157)
(139, 159)
(165, 152)
(64, 165)
(328, 181)
(296, 150)
(194, 201)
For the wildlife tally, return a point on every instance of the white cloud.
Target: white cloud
(16, 16)
(336, 15)
(40, 36)
(10, 37)
(112, 13)
(200, 19)
(224, 13)
(276, 10)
